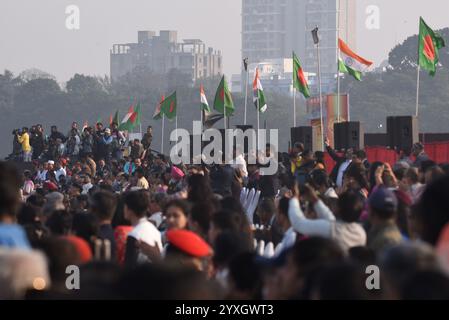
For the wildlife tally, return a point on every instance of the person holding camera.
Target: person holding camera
(16, 146)
(37, 141)
(24, 140)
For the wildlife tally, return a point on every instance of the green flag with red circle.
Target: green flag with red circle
(299, 80)
(168, 106)
(429, 44)
(223, 99)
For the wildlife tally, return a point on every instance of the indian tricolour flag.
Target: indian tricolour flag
(127, 123)
(259, 96)
(350, 62)
(204, 103)
(158, 111)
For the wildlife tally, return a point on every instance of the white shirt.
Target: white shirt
(28, 187)
(240, 163)
(42, 175)
(341, 171)
(156, 218)
(86, 188)
(416, 190)
(60, 172)
(330, 193)
(288, 241)
(146, 232)
(346, 234)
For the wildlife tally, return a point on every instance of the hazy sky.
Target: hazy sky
(33, 32)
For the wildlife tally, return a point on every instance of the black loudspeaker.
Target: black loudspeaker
(303, 135)
(392, 132)
(402, 132)
(348, 135)
(339, 136)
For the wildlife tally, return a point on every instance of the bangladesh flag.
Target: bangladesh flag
(429, 44)
(137, 116)
(259, 96)
(127, 124)
(299, 80)
(351, 63)
(204, 103)
(168, 106)
(157, 112)
(114, 119)
(223, 100)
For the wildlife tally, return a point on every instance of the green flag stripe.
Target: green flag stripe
(345, 69)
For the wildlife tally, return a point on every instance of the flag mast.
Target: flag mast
(256, 90)
(294, 106)
(162, 134)
(417, 90)
(201, 109)
(176, 130)
(338, 61)
(224, 102)
(245, 64)
(317, 43)
(140, 123)
(258, 124)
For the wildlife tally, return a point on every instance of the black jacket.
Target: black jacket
(338, 159)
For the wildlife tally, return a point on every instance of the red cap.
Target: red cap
(50, 186)
(82, 247)
(189, 243)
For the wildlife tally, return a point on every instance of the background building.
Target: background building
(162, 53)
(275, 75)
(272, 29)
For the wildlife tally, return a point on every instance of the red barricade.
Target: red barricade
(437, 151)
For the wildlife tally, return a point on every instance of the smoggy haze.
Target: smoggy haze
(33, 32)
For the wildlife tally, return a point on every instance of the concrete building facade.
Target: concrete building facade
(272, 29)
(162, 53)
(275, 75)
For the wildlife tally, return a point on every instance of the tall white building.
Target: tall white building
(272, 29)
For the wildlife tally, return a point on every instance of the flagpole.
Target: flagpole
(320, 93)
(246, 94)
(338, 69)
(176, 131)
(258, 123)
(294, 107)
(224, 115)
(162, 135)
(202, 119)
(417, 90)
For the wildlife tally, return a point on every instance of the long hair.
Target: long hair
(199, 188)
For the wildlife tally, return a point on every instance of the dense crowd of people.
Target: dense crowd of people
(140, 227)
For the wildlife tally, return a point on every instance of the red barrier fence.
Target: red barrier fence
(437, 151)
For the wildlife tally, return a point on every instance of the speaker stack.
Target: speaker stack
(303, 135)
(348, 135)
(402, 132)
